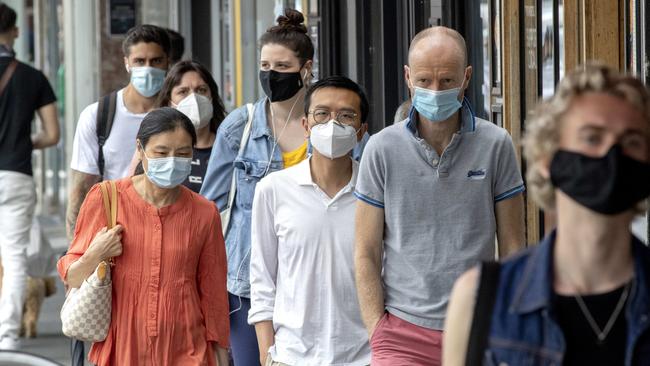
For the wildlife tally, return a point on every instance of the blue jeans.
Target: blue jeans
(243, 341)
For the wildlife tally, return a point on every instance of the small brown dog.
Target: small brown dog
(36, 290)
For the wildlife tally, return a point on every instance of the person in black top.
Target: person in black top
(190, 88)
(23, 92)
(582, 296)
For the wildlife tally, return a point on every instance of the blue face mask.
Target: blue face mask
(168, 172)
(147, 80)
(434, 105)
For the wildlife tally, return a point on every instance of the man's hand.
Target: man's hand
(368, 251)
(510, 225)
(371, 330)
(50, 135)
(79, 183)
(265, 338)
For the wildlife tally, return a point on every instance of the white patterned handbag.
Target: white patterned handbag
(86, 312)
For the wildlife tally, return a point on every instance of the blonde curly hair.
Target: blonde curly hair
(543, 128)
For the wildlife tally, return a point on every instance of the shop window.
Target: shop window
(547, 49)
(560, 38)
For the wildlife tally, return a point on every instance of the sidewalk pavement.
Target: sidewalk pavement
(50, 342)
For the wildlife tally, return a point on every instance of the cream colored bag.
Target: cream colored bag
(86, 312)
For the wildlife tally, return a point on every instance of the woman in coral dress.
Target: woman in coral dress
(170, 304)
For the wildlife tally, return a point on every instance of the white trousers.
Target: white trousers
(17, 202)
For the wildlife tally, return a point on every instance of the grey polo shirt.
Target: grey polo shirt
(439, 211)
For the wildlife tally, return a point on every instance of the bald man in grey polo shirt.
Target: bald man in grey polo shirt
(433, 191)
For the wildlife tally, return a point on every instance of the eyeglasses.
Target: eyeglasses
(344, 117)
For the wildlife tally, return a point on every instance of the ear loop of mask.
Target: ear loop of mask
(143, 153)
(277, 137)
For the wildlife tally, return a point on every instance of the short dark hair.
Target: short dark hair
(159, 121)
(340, 82)
(163, 120)
(177, 46)
(174, 77)
(146, 33)
(7, 18)
(291, 33)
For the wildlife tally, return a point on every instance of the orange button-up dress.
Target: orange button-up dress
(169, 285)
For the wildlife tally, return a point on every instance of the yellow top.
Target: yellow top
(294, 157)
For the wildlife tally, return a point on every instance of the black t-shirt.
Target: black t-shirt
(582, 345)
(27, 91)
(199, 166)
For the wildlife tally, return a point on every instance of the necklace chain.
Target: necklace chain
(602, 334)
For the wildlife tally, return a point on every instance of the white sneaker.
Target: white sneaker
(9, 344)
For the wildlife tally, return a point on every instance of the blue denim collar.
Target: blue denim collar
(260, 125)
(467, 118)
(535, 290)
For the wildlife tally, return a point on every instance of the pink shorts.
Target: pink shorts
(396, 342)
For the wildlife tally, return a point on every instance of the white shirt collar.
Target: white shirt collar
(302, 174)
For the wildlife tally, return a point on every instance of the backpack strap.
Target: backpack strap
(105, 115)
(486, 295)
(6, 76)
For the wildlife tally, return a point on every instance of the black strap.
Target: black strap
(105, 116)
(486, 295)
(7, 74)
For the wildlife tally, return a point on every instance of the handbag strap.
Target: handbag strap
(110, 208)
(486, 295)
(233, 182)
(6, 76)
(110, 204)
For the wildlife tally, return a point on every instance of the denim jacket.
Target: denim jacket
(523, 329)
(249, 167)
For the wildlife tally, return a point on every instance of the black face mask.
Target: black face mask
(279, 86)
(609, 185)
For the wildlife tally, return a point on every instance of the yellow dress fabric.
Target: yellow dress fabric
(294, 157)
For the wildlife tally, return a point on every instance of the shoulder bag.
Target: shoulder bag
(86, 312)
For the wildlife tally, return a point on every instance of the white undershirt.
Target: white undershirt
(302, 270)
(119, 147)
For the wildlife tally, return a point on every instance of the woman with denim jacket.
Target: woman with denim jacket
(276, 142)
(582, 296)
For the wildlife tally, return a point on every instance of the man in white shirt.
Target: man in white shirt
(146, 49)
(303, 299)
